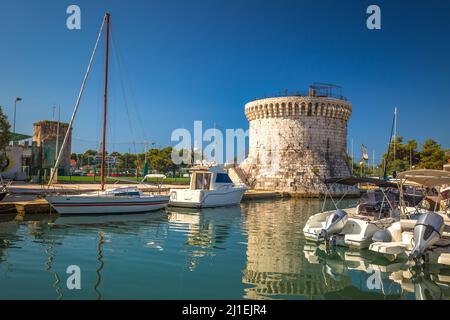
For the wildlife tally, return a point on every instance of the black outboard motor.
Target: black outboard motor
(334, 224)
(427, 232)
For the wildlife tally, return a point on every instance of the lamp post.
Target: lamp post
(15, 104)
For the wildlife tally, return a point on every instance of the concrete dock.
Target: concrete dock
(25, 198)
(37, 206)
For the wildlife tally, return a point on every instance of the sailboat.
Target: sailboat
(128, 199)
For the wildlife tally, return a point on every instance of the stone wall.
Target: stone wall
(295, 142)
(45, 135)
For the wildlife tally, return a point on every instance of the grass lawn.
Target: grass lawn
(96, 179)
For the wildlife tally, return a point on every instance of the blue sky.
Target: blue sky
(181, 61)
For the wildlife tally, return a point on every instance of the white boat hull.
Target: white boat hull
(357, 233)
(206, 198)
(402, 240)
(66, 205)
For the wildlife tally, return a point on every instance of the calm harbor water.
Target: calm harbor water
(255, 251)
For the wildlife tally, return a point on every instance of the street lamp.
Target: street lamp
(15, 103)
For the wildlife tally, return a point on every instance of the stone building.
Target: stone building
(45, 135)
(298, 140)
(18, 161)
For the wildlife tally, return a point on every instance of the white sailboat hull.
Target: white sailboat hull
(66, 205)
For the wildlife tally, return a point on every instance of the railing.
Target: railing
(287, 93)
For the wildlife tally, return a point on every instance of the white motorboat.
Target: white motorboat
(117, 200)
(210, 186)
(354, 227)
(424, 239)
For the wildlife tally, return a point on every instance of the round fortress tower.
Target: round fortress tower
(296, 141)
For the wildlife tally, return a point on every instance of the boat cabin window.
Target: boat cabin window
(202, 180)
(223, 178)
(127, 194)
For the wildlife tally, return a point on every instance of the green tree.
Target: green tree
(406, 156)
(432, 155)
(361, 169)
(160, 160)
(129, 161)
(4, 138)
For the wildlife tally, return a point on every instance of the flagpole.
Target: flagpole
(353, 156)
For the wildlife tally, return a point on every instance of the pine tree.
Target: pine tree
(432, 155)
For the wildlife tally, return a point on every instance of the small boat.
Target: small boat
(354, 227)
(424, 239)
(117, 200)
(210, 186)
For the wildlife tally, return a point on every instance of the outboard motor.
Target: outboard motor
(427, 232)
(334, 224)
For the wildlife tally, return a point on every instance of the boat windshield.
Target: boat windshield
(378, 204)
(202, 180)
(223, 178)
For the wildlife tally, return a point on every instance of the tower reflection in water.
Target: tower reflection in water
(276, 266)
(282, 265)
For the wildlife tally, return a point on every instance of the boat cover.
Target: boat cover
(351, 181)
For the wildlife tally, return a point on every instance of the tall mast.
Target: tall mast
(75, 109)
(391, 137)
(105, 104)
(395, 132)
(57, 133)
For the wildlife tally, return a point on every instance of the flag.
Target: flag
(365, 155)
(145, 169)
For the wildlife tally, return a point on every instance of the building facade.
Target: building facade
(48, 137)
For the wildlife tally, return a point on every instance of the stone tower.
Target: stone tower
(45, 135)
(296, 141)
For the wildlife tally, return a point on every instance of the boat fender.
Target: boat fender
(382, 236)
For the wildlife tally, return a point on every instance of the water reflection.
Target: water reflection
(105, 227)
(207, 230)
(51, 252)
(8, 237)
(282, 265)
(379, 278)
(253, 251)
(276, 266)
(50, 232)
